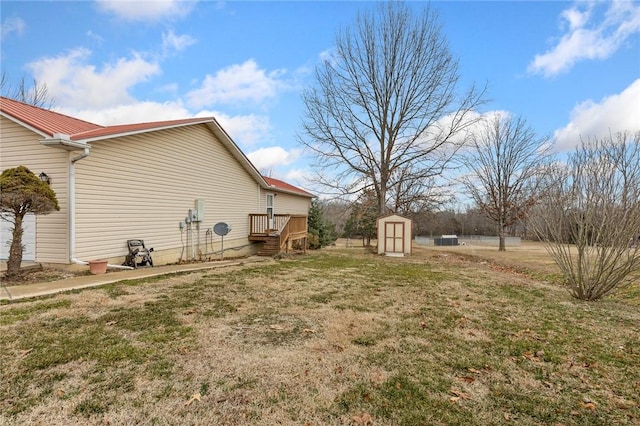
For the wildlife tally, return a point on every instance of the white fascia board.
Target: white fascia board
(64, 143)
(286, 191)
(138, 131)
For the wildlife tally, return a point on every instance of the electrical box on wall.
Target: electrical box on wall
(198, 211)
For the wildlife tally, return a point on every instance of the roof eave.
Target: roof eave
(79, 136)
(236, 152)
(25, 124)
(286, 191)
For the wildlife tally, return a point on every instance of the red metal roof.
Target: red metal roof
(43, 120)
(278, 184)
(136, 127)
(50, 122)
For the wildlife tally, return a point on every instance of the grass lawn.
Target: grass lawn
(463, 336)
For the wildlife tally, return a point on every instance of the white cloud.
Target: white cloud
(245, 130)
(473, 123)
(95, 37)
(135, 112)
(582, 41)
(268, 158)
(172, 42)
(612, 114)
(237, 83)
(75, 83)
(102, 95)
(299, 177)
(575, 17)
(155, 10)
(170, 89)
(12, 25)
(328, 55)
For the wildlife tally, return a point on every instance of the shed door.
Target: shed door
(28, 237)
(394, 237)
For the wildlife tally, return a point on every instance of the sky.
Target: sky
(571, 69)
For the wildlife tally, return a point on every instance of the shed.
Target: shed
(394, 235)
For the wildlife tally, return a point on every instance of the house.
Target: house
(168, 183)
(394, 235)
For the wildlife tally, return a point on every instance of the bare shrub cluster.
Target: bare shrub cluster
(589, 219)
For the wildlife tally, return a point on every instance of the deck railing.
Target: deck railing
(259, 223)
(287, 228)
(295, 227)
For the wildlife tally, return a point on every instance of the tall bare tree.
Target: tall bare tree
(503, 165)
(590, 219)
(386, 102)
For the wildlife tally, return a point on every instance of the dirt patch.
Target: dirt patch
(38, 274)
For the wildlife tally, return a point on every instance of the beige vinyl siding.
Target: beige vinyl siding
(142, 186)
(285, 203)
(20, 146)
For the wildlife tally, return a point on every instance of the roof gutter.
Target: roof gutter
(60, 140)
(287, 191)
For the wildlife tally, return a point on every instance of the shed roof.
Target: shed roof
(394, 216)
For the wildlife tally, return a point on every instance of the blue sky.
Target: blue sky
(570, 68)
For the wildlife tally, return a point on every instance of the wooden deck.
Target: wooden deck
(280, 237)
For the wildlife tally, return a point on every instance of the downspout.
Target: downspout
(72, 207)
(72, 212)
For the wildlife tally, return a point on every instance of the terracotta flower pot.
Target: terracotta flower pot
(98, 266)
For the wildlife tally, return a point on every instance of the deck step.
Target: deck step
(270, 247)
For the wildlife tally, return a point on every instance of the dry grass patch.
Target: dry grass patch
(337, 337)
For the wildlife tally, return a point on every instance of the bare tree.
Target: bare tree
(504, 161)
(386, 102)
(409, 194)
(37, 94)
(590, 220)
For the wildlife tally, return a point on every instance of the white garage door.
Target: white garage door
(28, 238)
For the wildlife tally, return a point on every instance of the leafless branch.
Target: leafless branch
(36, 94)
(590, 219)
(386, 103)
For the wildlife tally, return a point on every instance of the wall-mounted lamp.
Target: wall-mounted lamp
(45, 178)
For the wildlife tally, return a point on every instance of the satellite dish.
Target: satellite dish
(221, 229)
